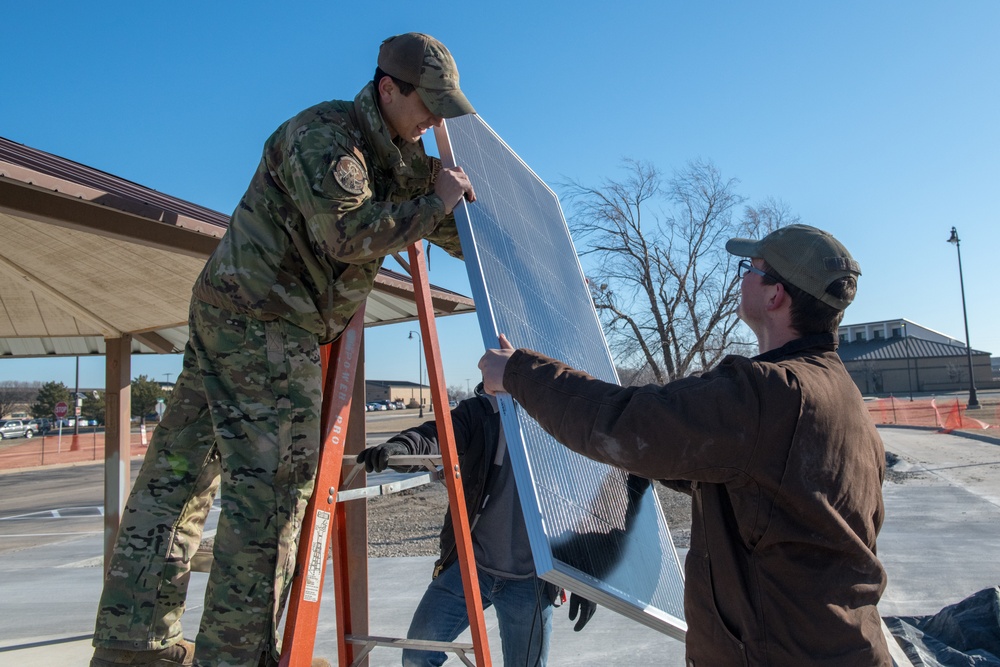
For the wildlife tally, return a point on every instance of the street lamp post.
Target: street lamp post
(77, 401)
(420, 367)
(909, 378)
(973, 401)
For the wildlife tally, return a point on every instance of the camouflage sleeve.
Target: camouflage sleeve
(376, 229)
(425, 171)
(332, 191)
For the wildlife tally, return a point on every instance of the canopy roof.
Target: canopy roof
(85, 255)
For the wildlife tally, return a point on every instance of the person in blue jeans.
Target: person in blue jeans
(507, 581)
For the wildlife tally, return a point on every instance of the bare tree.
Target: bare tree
(15, 395)
(457, 393)
(660, 277)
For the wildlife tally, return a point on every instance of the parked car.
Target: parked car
(15, 428)
(41, 426)
(400, 405)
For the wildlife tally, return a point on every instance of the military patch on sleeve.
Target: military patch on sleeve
(350, 175)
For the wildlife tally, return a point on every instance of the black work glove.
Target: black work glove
(376, 459)
(585, 607)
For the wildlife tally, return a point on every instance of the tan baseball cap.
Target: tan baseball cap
(424, 62)
(806, 257)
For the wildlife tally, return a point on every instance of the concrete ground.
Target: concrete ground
(939, 545)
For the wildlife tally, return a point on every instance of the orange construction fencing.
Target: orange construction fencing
(950, 415)
(52, 448)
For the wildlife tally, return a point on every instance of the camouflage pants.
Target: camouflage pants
(245, 411)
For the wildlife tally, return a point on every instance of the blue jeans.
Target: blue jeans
(524, 614)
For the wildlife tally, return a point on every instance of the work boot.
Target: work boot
(180, 654)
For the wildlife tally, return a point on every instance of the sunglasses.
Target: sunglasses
(746, 267)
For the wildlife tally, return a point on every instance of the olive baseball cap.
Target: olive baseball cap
(806, 257)
(426, 63)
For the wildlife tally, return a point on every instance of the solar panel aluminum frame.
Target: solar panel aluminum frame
(657, 568)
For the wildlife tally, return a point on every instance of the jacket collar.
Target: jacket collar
(375, 130)
(480, 392)
(821, 342)
(388, 155)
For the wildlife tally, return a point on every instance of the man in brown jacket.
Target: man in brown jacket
(782, 461)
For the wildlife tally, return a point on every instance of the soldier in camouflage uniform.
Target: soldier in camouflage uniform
(340, 186)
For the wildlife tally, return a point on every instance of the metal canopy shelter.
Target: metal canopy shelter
(92, 264)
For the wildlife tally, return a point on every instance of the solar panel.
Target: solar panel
(593, 529)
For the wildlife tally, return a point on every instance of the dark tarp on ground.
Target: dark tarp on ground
(966, 634)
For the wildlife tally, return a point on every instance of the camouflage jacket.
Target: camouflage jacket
(333, 195)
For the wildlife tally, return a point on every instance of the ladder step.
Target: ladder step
(464, 652)
(419, 644)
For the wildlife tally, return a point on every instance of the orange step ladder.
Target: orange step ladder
(327, 520)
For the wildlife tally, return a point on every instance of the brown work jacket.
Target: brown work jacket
(785, 470)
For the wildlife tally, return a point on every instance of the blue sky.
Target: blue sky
(875, 121)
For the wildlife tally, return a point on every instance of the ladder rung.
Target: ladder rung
(427, 462)
(422, 644)
(387, 489)
(370, 642)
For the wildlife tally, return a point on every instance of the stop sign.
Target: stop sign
(61, 409)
